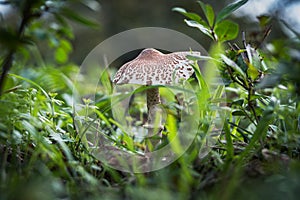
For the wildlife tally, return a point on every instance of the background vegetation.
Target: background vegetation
(42, 153)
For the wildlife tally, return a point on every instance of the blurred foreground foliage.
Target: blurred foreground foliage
(44, 154)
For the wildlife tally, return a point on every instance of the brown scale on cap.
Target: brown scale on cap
(152, 67)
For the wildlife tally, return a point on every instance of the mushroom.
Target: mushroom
(152, 67)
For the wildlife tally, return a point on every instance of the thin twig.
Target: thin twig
(244, 39)
(250, 91)
(266, 33)
(235, 80)
(6, 65)
(27, 15)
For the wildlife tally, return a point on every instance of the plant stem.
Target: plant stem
(6, 65)
(27, 15)
(250, 104)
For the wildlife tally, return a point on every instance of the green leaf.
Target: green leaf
(238, 113)
(203, 58)
(61, 55)
(70, 14)
(62, 52)
(31, 82)
(129, 143)
(252, 71)
(209, 13)
(264, 20)
(226, 30)
(202, 28)
(229, 143)
(172, 135)
(255, 59)
(66, 45)
(105, 80)
(260, 131)
(204, 94)
(64, 27)
(190, 15)
(234, 66)
(238, 102)
(225, 12)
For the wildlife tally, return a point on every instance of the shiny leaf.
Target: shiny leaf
(190, 15)
(209, 13)
(202, 28)
(226, 30)
(225, 12)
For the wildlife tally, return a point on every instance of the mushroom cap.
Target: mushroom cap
(152, 67)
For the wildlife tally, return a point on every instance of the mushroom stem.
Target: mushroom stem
(153, 99)
(154, 125)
